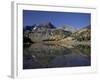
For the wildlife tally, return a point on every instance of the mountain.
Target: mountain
(44, 26)
(48, 35)
(47, 25)
(48, 32)
(83, 34)
(45, 32)
(29, 28)
(69, 28)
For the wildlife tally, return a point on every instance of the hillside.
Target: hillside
(69, 28)
(48, 32)
(83, 34)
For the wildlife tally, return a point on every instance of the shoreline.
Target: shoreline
(68, 42)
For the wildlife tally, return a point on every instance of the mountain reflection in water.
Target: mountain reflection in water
(51, 56)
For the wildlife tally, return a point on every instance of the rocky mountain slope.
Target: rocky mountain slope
(83, 34)
(69, 28)
(48, 32)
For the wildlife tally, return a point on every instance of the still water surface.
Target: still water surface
(52, 56)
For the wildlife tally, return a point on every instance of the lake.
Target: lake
(39, 55)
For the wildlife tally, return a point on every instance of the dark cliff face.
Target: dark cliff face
(27, 40)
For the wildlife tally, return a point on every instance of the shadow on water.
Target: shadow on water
(51, 56)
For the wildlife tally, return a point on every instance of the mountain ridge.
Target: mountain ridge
(48, 32)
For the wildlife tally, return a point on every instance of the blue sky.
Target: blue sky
(78, 20)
